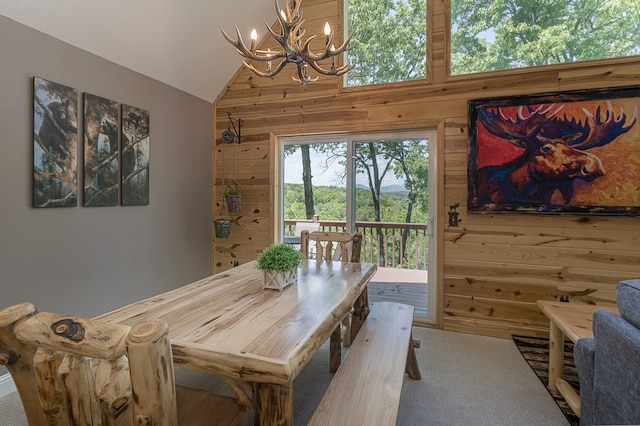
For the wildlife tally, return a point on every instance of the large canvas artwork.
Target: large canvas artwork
(55, 144)
(135, 156)
(101, 173)
(569, 152)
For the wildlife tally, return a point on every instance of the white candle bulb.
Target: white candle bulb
(327, 31)
(254, 37)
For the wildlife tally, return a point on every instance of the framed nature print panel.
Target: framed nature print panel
(101, 174)
(55, 144)
(135, 156)
(568, 152)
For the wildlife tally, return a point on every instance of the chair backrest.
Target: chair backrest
(305, 226)
(71, 370)
(341, 246)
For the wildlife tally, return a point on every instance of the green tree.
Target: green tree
(307, 177)
(503, 34)
(366, 159)
(389, 41)
(375, 160)
(412, 164)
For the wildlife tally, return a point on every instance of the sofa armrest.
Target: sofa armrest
(617, 368)
(584, 356)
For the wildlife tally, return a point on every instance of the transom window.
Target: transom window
(488, 35)
(389, 43)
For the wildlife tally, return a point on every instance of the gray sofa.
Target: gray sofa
(609, 363)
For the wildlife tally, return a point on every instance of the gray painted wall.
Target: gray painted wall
(82, 260)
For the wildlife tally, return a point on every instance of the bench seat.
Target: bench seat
(366, 388)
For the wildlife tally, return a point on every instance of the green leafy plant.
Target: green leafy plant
(232, 191)
(279, 257)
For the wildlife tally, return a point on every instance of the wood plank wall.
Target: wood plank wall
(492, 268)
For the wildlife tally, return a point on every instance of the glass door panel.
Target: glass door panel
(391, 211)
(314, 186)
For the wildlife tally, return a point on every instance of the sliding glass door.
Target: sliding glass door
(376, 184)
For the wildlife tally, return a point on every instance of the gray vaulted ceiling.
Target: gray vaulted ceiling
(177, 42)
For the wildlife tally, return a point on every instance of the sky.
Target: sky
(330, 177)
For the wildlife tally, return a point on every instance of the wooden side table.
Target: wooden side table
(573, 320)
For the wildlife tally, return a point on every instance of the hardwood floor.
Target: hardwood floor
(400, 285)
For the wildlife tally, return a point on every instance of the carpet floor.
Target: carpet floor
(466, 380)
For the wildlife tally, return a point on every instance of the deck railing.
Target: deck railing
(394, 245)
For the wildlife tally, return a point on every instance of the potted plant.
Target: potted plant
(233, 198)
(222, 228)
(221, 225)
(279, 264)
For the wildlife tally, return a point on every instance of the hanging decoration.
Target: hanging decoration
(229, 136)
(232, 192)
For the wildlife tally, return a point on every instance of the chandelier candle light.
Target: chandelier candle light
(294, 50)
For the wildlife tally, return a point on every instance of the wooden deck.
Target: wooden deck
(400, 285)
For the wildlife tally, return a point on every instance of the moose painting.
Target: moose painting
(569, 152)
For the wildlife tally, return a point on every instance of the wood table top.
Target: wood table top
(228, 324)
(574, 319)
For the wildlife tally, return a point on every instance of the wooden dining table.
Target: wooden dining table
(258, 340)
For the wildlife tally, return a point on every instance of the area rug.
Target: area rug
(536, 352)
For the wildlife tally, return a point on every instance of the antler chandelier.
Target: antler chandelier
(294, 50)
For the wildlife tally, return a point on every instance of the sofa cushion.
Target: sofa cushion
(628, 301)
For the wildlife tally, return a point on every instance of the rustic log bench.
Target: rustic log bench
(366, 388)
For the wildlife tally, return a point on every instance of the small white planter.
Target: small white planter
(279, 280)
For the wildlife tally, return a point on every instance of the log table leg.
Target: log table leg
(556, 354)
(335, 350)
(360, 313)
(273, 404)
(413, 369)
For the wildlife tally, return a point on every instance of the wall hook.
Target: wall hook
(453, 215)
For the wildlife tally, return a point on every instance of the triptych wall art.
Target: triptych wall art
(55, 145)
(135, 156)
(101, 125)
(116, 149)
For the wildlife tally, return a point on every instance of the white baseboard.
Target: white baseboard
(6, 385)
